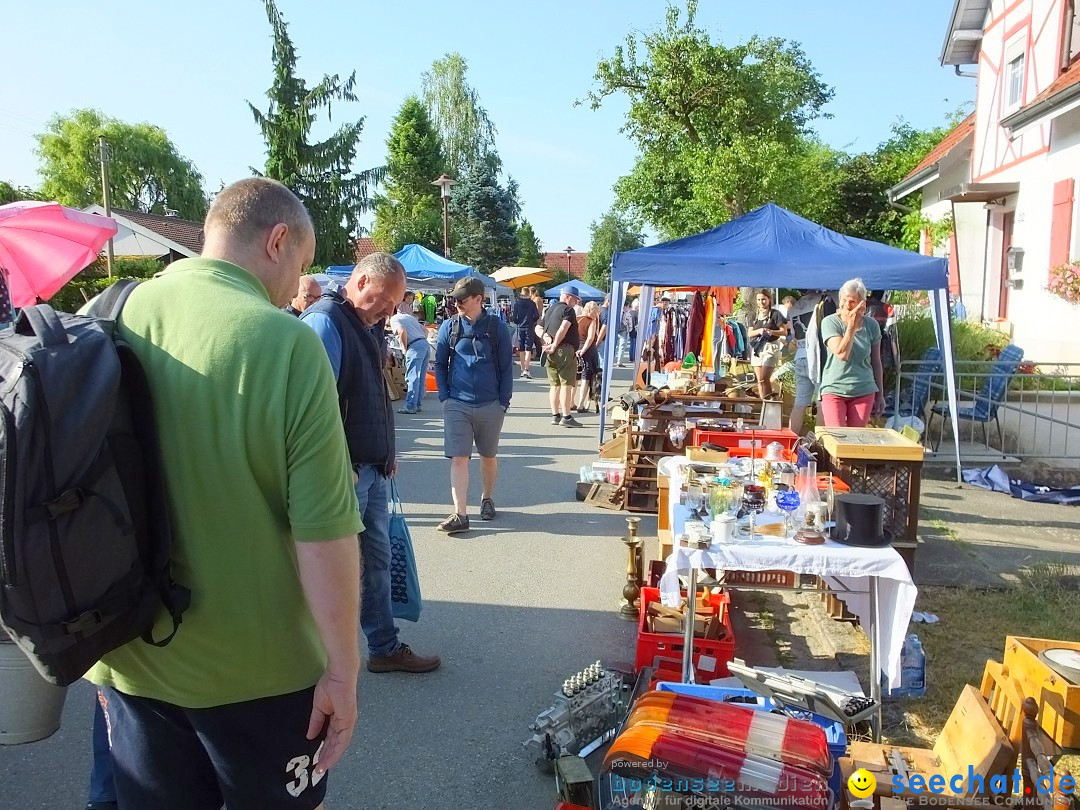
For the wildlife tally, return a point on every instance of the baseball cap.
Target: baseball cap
(466, 288)
(572, 290)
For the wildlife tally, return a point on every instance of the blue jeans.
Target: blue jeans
(101, 773)
(416, 363)
(622, 345)
(376, 610)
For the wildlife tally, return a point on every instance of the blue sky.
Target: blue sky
(190, 67)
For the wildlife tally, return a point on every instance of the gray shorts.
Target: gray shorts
(465, 424)
(804, 388)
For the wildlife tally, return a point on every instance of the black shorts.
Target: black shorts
(247, 756)
(526, 338)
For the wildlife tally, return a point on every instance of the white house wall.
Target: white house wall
(1034, 27)
(128, 243)
(1043, 324)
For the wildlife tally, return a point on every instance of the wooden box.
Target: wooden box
(972, 737)
(704, 454)
(1058, 700)
(880, 444)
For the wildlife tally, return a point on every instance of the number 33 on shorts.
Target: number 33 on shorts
(302, 768)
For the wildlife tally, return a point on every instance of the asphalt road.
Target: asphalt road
(513, 607)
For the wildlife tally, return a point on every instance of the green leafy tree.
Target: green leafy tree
(10, 193)
(861, 204)
(612, 233)
(530, 252)
(484, 214)
(719, 130)
(410, 212)
(319, 172)
(467, 134)
(146, 172)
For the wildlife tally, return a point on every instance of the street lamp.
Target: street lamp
(569, 251)
(445, 182)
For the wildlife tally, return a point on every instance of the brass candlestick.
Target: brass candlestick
(634, 574)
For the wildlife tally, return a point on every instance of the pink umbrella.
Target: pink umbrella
(44, 244)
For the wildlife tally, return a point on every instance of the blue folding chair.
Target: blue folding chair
(984, 408)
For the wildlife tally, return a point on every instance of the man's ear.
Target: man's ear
(275, 241)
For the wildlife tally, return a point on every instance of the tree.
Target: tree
(146, 172)
(530, 252)
(861, 204)
(483, 214)
(10, 193)
(719, 129)
(612, 233)
(319, 173)
(410, 212)
(463, 125)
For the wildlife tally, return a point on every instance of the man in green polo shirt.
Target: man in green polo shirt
(255, 697)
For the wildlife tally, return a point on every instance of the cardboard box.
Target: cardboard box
(395, 382)
(663, 619)
(703, 454)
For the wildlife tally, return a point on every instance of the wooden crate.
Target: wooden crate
(1057, 699)
(880, 444)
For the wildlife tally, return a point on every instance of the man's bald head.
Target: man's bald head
(260, 225)
(249, 208)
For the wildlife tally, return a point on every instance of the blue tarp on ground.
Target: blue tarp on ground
(772, 247)
(588, 292)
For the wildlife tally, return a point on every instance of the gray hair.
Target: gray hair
(249, 208)
(379, 266)
(855, 288)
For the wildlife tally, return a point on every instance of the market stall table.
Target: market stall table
(884, 608)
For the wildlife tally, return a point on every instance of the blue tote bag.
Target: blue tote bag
(404, 581)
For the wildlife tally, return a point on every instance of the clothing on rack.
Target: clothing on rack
(695, 325)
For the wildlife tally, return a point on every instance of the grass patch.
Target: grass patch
(948, 532)
(767, 622)
(972, 629)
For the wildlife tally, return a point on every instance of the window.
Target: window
(1014, 82)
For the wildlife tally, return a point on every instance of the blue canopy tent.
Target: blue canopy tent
(588, 292)
(773, 247)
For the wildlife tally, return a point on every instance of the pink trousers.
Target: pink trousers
(839, 411)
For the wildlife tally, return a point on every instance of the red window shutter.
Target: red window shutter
(1061, 222)
(927, 243)
(954, 266)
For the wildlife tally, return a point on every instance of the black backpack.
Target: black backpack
(84, 528)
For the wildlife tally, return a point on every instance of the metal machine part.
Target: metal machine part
(586, 712)
(794, 692)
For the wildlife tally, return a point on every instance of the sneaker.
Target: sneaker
(454, 523)
(487, 509)
(403, 659)
(408, 410)
(569, 421)
(527, 374)
(102, 806)
(556, 419)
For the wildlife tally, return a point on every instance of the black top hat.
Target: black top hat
(860, 520)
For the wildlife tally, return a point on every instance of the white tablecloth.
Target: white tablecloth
(848, 565)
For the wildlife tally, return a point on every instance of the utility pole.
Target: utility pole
(103, 155)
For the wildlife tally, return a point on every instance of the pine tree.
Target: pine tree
(411, 210)
(320, 173)
(530, 253)
(483, 214)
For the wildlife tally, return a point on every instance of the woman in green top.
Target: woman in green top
(851, 385)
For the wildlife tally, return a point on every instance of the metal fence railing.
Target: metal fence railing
(1008, 406)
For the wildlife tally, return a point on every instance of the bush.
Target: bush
(971, 341)
(93, 279)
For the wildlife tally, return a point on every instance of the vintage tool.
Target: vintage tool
(586, 713)
(794, 692)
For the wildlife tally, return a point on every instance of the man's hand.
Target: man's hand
(333, 708)
(393, 470)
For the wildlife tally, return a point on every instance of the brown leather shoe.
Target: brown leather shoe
(403, 660)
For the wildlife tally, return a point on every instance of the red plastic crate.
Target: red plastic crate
(731, 438)
(665, 650)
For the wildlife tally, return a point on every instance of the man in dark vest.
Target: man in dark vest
(349, 322)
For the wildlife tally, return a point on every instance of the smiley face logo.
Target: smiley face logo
(861, 783)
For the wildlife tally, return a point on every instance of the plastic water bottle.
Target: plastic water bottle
(913, 668)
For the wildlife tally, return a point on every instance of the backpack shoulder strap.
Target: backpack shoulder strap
(110, 303)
